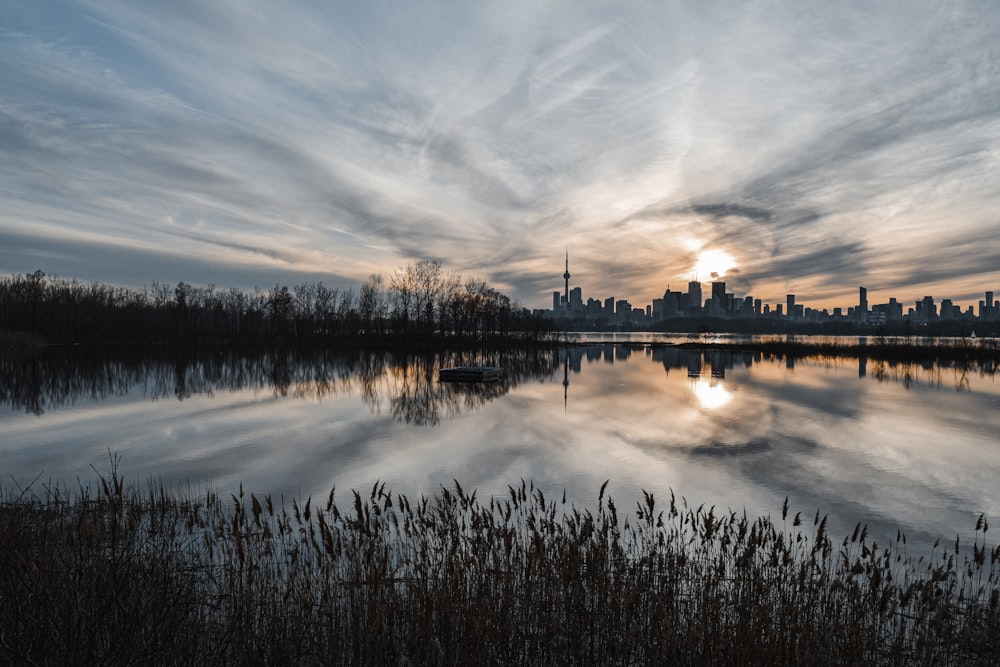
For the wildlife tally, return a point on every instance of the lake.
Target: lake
(908, 446)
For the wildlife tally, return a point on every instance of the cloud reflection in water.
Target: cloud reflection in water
(734, 430)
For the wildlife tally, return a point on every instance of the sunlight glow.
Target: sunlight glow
(712, 264)
(711, 395)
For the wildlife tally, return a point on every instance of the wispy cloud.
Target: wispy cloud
(823, 147)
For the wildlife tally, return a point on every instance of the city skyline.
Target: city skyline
(723, 304)
(787, 149)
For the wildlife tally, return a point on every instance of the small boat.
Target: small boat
(469, 374)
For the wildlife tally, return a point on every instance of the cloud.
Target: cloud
(353, 138)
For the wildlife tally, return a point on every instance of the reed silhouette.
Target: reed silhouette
(113, 573)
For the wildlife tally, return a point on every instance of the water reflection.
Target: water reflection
(711, 394)
(891, 443)
(404, 384)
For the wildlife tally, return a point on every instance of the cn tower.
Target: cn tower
(566, 277)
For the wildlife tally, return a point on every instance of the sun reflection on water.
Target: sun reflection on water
(711, 394)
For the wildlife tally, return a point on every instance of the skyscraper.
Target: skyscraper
(694, 296)
(719, 297)
(790, 300)
(862, 304)
(670, 304)
(929, 309)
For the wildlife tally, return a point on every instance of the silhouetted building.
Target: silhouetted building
(668, 307)
(862, 311)
(623, 310)
(926, 309)
(987, 309)
(790, 300)
(894, 311)
(694, 296)
(718, 298)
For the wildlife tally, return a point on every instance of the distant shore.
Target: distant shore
(955, 351)
(913, 349)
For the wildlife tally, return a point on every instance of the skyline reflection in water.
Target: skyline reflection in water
(895, 445)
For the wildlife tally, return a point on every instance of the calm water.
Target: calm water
(914, 447)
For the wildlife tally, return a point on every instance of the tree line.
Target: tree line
(419, 302)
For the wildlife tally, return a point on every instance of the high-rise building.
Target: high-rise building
(929, 309)
(949, 311)
(671, 304)
(790, 300)
(718, 297)
(694, 296)
(862, 311)
(555, 300)
(623, 310)
(609, 307)
(894, 311)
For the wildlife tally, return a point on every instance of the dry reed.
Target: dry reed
(123, 575)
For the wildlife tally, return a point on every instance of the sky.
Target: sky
(785, 147)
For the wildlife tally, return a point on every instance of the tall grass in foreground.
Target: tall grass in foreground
(129, 575)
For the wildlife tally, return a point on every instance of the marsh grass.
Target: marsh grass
(122, 574)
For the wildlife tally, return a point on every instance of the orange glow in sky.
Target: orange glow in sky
(713, 264)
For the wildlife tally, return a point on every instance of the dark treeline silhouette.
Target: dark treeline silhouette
(403, 384)
(419, 302)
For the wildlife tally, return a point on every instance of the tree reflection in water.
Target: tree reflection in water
(406, 383)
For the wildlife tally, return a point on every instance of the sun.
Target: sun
(713, 264)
